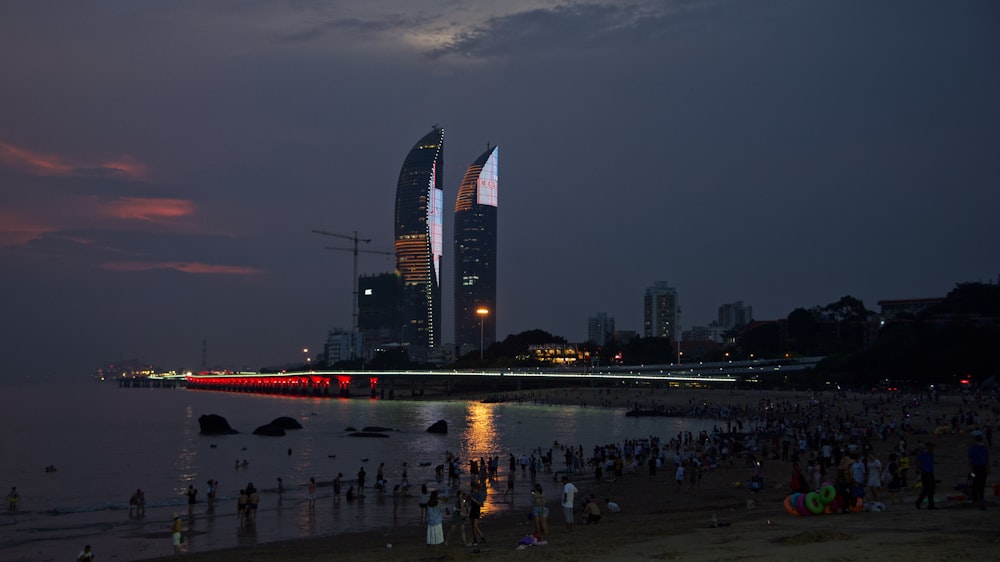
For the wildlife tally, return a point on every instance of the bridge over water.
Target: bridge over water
(385, 384)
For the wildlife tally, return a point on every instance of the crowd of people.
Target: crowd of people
(871, 448)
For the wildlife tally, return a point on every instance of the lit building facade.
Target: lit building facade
(476, 253)
(380, 316)
(419, 226)
(661, 312)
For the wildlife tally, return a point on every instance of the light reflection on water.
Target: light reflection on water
(149, 439)
(480, 435)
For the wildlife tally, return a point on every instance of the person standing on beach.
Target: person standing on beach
(86, 555)
(458, 513)
(210, 494)
(312, 492)
(361, 481)
(874, 475)
(396, 496)
(175, 533)
(925, 466)
(568, 497)
(425, 496)
(192, 495)
(979, 468)
(538, 510)
(253, 498)
(435, 530)
(12, 498)
(133, 503)
(242, 505)
(477, 498)
(336, 487)
(895, 483)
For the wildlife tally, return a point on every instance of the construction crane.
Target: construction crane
(354, 238)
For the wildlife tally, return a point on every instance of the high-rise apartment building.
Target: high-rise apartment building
(380, 316)
(734, 315)
(661, 312)
(600, 328)
(419, 226)
(476, 253)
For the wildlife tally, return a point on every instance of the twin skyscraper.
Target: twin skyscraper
(420, 240)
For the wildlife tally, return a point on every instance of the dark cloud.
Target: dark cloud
(781, 153)
(581, 28)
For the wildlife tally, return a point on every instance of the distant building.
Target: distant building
(625, 336)
(380, 314)
(600, 328)
(419, 231)
(341, 345)
(476, 253)
(893, 309)
(713, 333)
(734, 315)
(661, 312)
(442, 355)
(555, 353)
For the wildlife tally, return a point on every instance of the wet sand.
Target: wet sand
(658, 522)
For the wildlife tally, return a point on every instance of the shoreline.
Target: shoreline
(660, 523)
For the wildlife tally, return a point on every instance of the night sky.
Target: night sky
(162, 164)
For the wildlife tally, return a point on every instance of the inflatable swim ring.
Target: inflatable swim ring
(813, 503)
(827, 494)
(789, 507)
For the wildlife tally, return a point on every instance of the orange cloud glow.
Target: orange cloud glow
(51, 165)
(152, 209)
(184, 267)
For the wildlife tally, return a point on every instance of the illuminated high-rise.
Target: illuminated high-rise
(661, 312)
(419, 214)
(476, 253)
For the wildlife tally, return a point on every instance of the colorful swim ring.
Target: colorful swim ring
(827, 494)
(789, 507)
(813, 503)
(800, 504)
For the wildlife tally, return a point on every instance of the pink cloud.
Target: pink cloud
(148, 209)
(184, 267)
(23, 222)
(39, 164)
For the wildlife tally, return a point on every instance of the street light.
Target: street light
(482, 312)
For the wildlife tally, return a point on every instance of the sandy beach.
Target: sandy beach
(659, 522)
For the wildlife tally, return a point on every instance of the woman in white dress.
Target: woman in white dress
(874, 470)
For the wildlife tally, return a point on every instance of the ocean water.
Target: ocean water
(106, 442)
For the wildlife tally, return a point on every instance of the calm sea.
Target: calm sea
(106, 442)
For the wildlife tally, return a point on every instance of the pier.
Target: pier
(390, 384)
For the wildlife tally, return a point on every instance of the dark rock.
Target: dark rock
(377, 428)
(439, 426)
(351, 428)
(214, 424)
(285, 422)
(367, 434)
(269, 430)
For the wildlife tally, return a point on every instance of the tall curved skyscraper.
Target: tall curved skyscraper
(476, 253)
(419, 214)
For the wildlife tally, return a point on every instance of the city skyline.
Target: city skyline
(163, 165)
